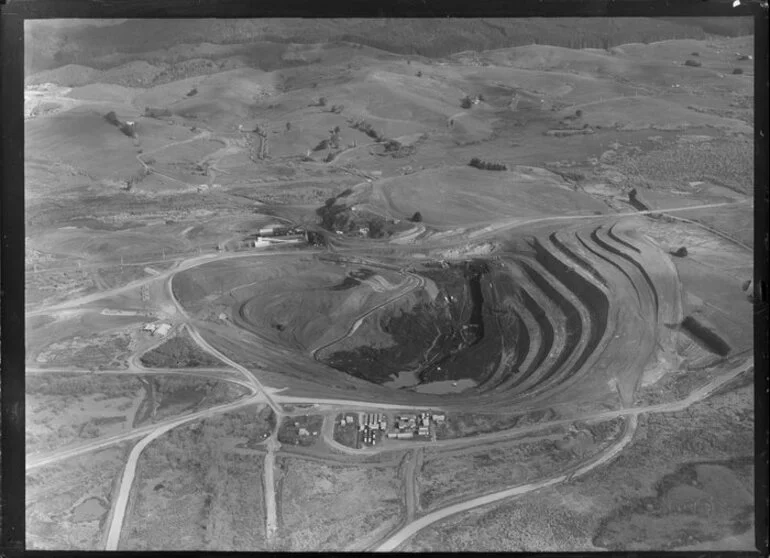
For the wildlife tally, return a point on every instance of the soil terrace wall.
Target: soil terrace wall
(593, 298)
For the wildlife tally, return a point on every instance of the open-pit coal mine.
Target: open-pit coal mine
(572, 306)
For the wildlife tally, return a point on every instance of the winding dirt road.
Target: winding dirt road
(610, 453)
(410, 530)
(415, 283)
(129, 471)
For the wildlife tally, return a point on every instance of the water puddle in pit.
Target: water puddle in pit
(411, 380)
(406, 379)
(446, 386)
(89, 510)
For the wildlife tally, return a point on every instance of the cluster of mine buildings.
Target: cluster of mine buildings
(158, 329)
(272, 234)
(373, 427)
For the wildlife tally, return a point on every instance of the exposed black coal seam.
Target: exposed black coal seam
(573, 326)
(592, 298)
(585, 264)
(614, 264)
(547, 335)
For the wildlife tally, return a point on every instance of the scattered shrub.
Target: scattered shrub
(695, 54)
(192, 92)
(693, 63)
(337, 109)
(466, 102)
(416, 218)
(419, 74)
(737, 71)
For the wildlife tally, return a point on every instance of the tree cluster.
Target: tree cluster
(466, 102)
(396, 149)
(368, 129)
(487, 165)
(112, 118)
(323, 144)
(680, 252)
(334, 137)
(125, 127)
(136, 178)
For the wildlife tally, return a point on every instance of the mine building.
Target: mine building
(162, 330)
(273, 230)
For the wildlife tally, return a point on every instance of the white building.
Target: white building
(162, 330)
(149, 327)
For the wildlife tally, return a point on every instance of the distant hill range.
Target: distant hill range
(52, 44)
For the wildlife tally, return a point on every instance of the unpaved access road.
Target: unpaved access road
(271, 513)
(256, 384)
(410, 530)
(496, 227)
(632, 419)
(101, 443)
(416, 282)
(182, 265)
